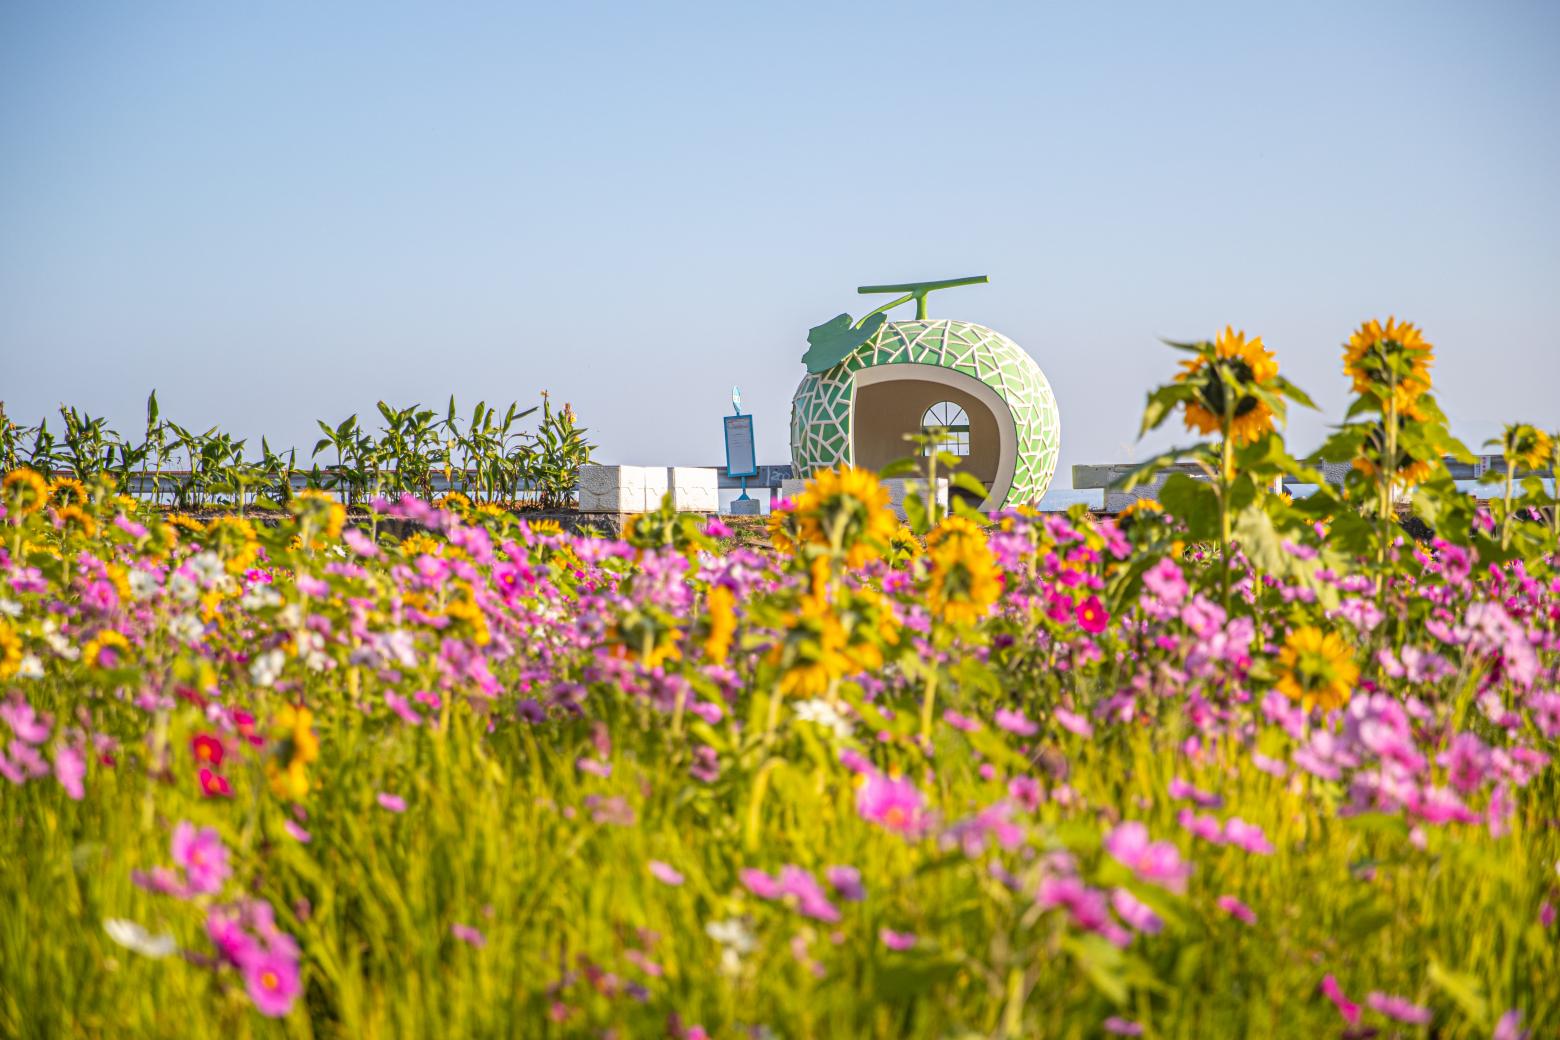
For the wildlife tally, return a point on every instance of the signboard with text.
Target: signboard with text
(740, 459)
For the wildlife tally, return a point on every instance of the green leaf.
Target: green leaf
(1194, 503)
(1161, 404)
(1101, 963)
(1464, 991)
(831, 342)
(899, 468)
(968, 482)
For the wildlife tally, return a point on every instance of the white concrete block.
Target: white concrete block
(656, 487)
(900, 487)
(612, 489)
(694, 489)
(790, 487)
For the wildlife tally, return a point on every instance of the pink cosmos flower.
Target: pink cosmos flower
(1073, 722)
(467, 934)
(1092, 616)
(1135, 912)
(203, 857)
(1158, 861)
(1546, 913)
(214, 785)
(1399, 1008)
(762, 885)
(70, 768)
(1236, 909)
(1510, 1027)
(1246, 836)
(1122, 1026)
(1015, 722)
(29, 726)
(296, 832)
(393, 802)
(664, 873)
(897, 940)
(272, 982)
(403, 708)
(1346, 1007)
(1180, 788)
(892, 803)
(359, 542)
(1166, 581)
(846, 882)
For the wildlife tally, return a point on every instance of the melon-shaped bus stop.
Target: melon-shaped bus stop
(871, 386)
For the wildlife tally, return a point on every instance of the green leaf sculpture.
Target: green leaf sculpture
(829, 344)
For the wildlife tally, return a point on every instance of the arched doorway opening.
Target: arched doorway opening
(892, 401)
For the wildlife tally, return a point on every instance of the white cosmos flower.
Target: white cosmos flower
(824, 714)
(133, 937)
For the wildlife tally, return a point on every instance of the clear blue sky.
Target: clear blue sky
(276, 212)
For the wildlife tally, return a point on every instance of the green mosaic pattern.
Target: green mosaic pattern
(820, 411)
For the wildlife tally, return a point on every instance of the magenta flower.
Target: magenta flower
(846, 882)
(1399, 1008)
(1510, 1027)
(1166, 581)
(664, 873)
(1236, 909)
(1135, 912)
(70, 769)
(393, 802)
(762, 885)
(296, 832)
(1346, 1007)
(272, 982)
(1180, 788)
(27, 724)
(1246, 836)
(1122, 1026)
(892, 803)
(203, 857)
(896, 940)
(1073, 722)
(1016, 722)
(468, 935)
(1156, 861)
(1092, 616)
(1202, 825)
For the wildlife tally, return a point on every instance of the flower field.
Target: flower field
(1230, 764)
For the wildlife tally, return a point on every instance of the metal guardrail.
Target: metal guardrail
(1107, 475)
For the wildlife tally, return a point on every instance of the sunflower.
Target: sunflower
(1526, 447)
(233, 539)
(1319, 670)
(453, 500)
(75, 516)
(419, 544)
(67, 491)
(1244, 362)
(812, 651)
(1409, 470)
(107, 641)
(964, 582)
(322, 512)
(295, 747)
(723, 624)
(1375, 352)
(549, 527)
(10, 650)
(24, 491)
(188, 523)
(843, 509)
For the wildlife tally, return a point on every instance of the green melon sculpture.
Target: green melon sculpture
(870, 383)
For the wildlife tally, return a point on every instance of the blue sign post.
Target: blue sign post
(741, 460)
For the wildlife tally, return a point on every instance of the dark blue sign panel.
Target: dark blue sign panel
(740, 459)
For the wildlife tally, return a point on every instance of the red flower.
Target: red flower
(207, 749)
(1092, 615)
(213, 785)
